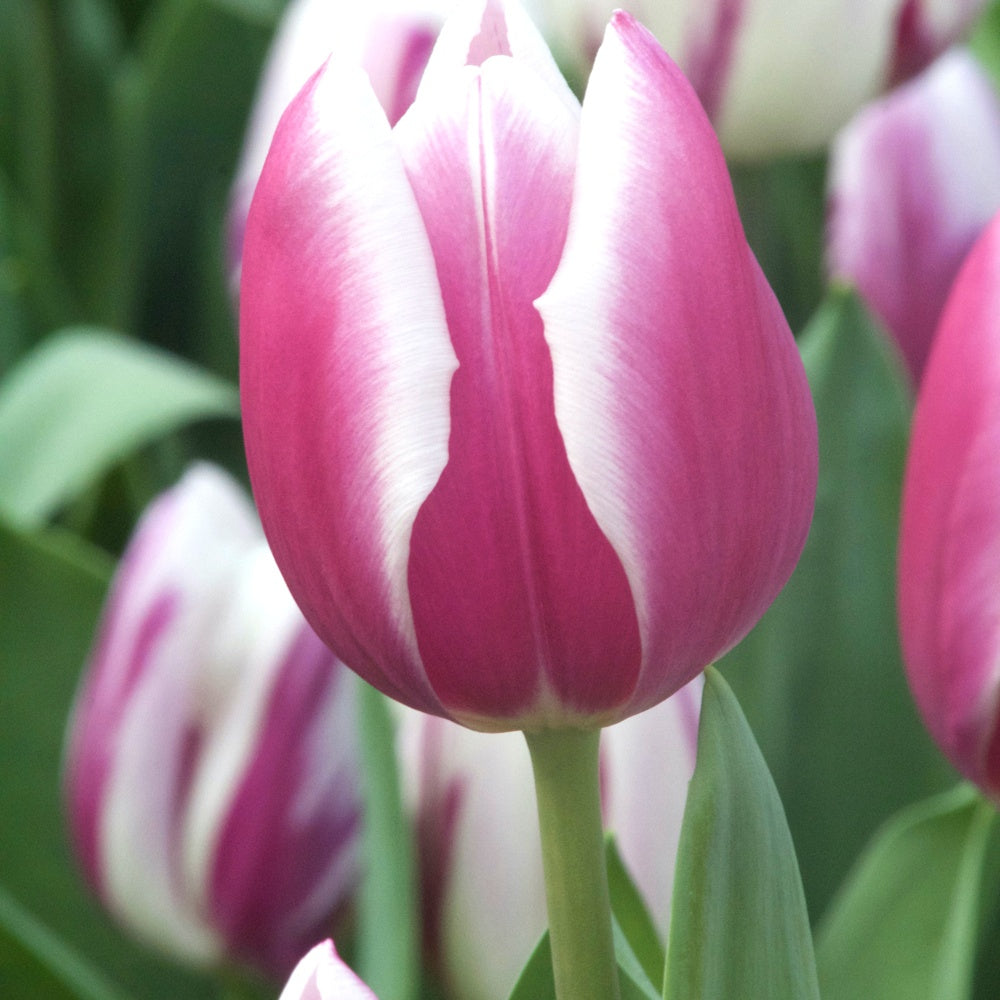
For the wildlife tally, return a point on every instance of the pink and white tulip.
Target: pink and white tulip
(914, 179)
(390, 39)
(211, 769)
(949, 549)
(479, 846)
(530, 437)
(322, 975)
(779, 77)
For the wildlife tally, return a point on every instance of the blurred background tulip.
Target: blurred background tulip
(914, 179)
(778, 77)
(321, 975)
(949, 548)
(390, 39)
(507, 484)
(480, 855)
(210, 772)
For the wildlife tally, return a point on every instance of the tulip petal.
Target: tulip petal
(949, 602)
(345, 371)
(539, 612)
(131, 719)
(474, 33)
(321, 975)
(276, 777)
(679, 390)
(914, 178)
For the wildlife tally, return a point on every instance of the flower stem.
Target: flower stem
(565, 763)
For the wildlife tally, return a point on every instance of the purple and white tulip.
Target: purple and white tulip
(779, 77)
(914, 179)
(949, 544)
(322, 975)
(481, 863)
(530, 437)
(390, 40)
(211, 764)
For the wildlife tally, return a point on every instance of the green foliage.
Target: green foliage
(80, 403)
(905, 924)
(821, 677)
(738, 923)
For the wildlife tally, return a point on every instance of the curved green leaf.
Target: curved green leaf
(83, 401)
(905, 925)
(738, 923)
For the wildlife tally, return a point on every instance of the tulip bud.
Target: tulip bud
(529, 434)
(949, 548)
(390, 39)
(321, 975)
(210, 771)
(480, 854)
(779, 77)
(914, 179)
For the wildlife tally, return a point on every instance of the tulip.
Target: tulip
(322, 975)
(779, 77)
(211, 764)
(480, 853)
(530, 437)
(915, 177)
(949, 549)
(390, 39)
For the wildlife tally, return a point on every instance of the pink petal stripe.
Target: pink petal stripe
(678, 387)
(517, 596)
(345, 371)
(268, 903)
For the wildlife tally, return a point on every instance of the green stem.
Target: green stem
(576, 876)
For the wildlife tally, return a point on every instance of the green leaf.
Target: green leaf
(388, 936)
(80, 403)
(51, 590)
(633, 980)
(821, 677)
(632, 916)
(536, 981)
(738, 924)
(905, 925)
(34, 962)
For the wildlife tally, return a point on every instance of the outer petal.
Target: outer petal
(914, 179)
(215, 813)
(321, 975)
(949, 600)
(679, 390)
(390, 39)
(522, 610)
(270, 838)
(345, 371)
(131, 718)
